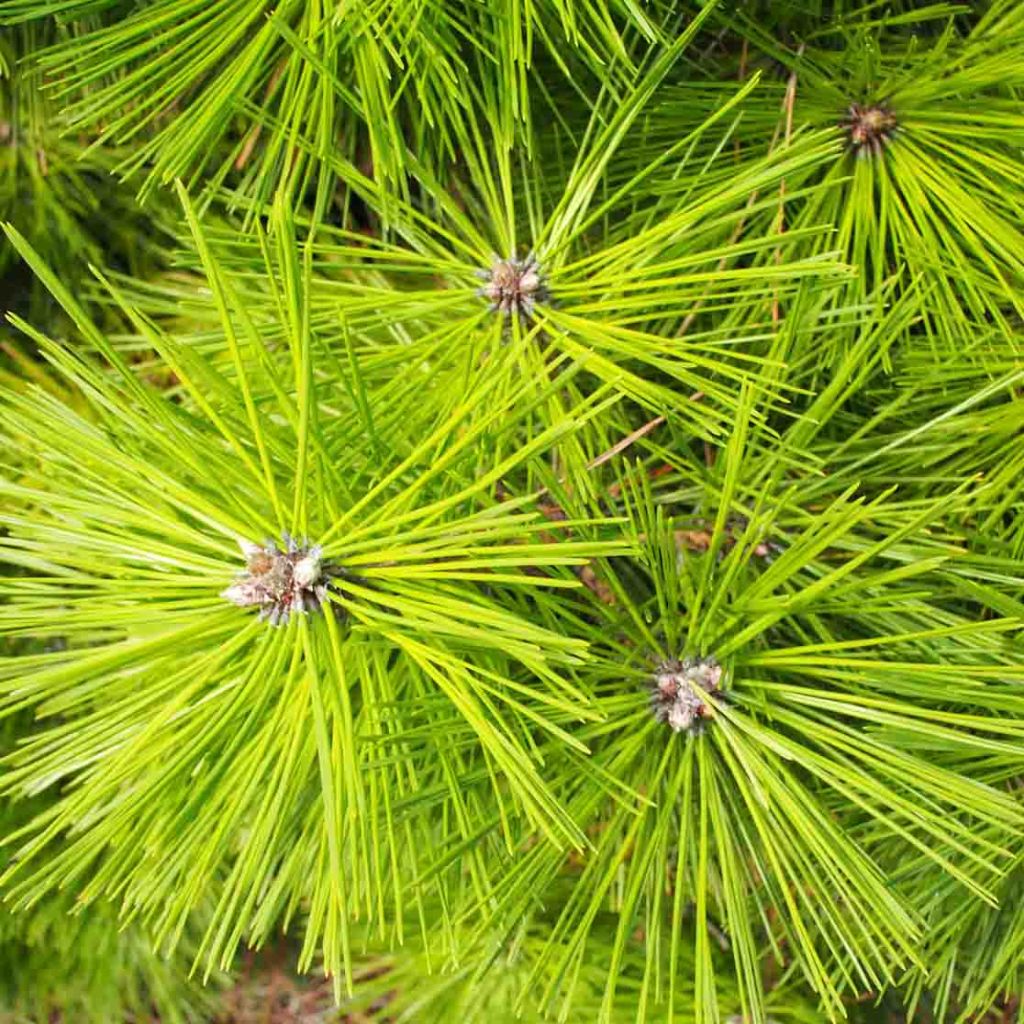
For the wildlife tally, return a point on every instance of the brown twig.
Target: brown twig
(254, 133)
(555, 513)
(622, 445)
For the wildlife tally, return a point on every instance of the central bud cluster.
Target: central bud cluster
(280, 580)
(513, 285)
(678, 689)
(870, 127)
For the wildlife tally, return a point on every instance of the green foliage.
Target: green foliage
(59, 190)
(416, 534)
(195, 85)
(408, 986)
(84, 968)
(550, 544)
(944, 200)
(81, 968)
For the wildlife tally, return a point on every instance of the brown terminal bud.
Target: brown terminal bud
(870, 127)
(513, 285)
(679, 689)
(281, 580)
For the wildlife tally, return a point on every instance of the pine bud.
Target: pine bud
(280, 581)
(870, 127)
(678, 692)
(513, 285)
(307, 570)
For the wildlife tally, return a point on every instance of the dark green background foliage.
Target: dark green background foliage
(624, 398)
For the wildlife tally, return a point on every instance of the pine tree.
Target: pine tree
(524, 503)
